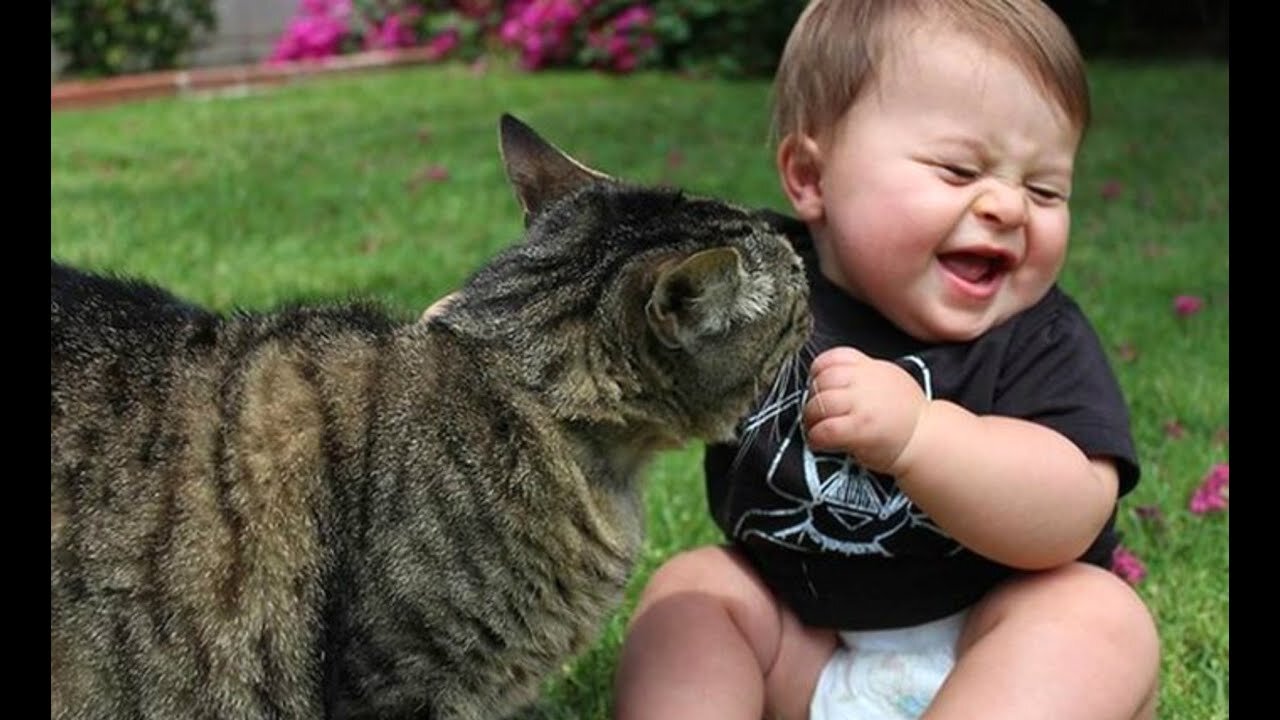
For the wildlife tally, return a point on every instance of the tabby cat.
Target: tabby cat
(319, 511)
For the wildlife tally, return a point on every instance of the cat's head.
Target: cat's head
(636, 304)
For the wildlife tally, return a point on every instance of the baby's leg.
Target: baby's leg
(1075, 642)
(708, 640)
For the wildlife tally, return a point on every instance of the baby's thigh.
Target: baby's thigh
(1073, 642)
(803, 652)
(1088, 599)
(720, 577)
(791, 655)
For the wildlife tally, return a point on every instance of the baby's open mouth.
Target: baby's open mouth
(975, 267)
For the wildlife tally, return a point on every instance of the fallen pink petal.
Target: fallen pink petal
(1222, 436)
(1154, 250)
(1174, 430)
(430, 173)
(1112, 189)
(1127, 565)
(1213, 493)
(1185, 305)
(1149, 513)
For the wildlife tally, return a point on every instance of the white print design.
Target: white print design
(841, 507)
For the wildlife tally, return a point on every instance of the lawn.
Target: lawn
(389, 185)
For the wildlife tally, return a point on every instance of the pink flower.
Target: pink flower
(636, 15)
(542, 29)
(509, 31)
(617, 45)
(1212, 495)
(624, 40)
(310, 37)
(315, 32)
(396, 31)
(1127, 565)
(1185, 305)
(441, 44)
(624, 62)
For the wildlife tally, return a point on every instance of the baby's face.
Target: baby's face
(944, 189)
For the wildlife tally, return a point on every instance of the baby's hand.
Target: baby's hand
(861, 406)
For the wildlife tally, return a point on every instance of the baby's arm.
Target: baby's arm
(1012, 490)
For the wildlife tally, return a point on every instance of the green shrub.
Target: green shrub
(738, 38)
(110, 37)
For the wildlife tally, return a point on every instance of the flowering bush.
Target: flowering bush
(319, 30)
(622, 42)
(736, 37)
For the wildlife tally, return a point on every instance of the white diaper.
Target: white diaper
(887, 674)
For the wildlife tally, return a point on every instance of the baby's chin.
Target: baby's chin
(942, 322)
(951, 327)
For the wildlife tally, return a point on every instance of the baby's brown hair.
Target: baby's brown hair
(836, 47)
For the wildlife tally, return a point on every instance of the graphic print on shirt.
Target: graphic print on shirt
(827, 502)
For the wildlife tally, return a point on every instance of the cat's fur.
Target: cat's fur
(319, 511)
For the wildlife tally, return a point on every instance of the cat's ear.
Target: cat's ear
(696, 297)
(539, 171)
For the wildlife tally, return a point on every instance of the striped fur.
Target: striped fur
(321, 512)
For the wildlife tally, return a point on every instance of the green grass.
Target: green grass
(315, 191)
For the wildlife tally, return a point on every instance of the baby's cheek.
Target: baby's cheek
(1047, 240)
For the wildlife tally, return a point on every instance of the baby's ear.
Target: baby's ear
(800, 170)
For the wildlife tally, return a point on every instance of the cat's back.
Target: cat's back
(186, 506)
(93, 315)
(118, 348)
(111, 343)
